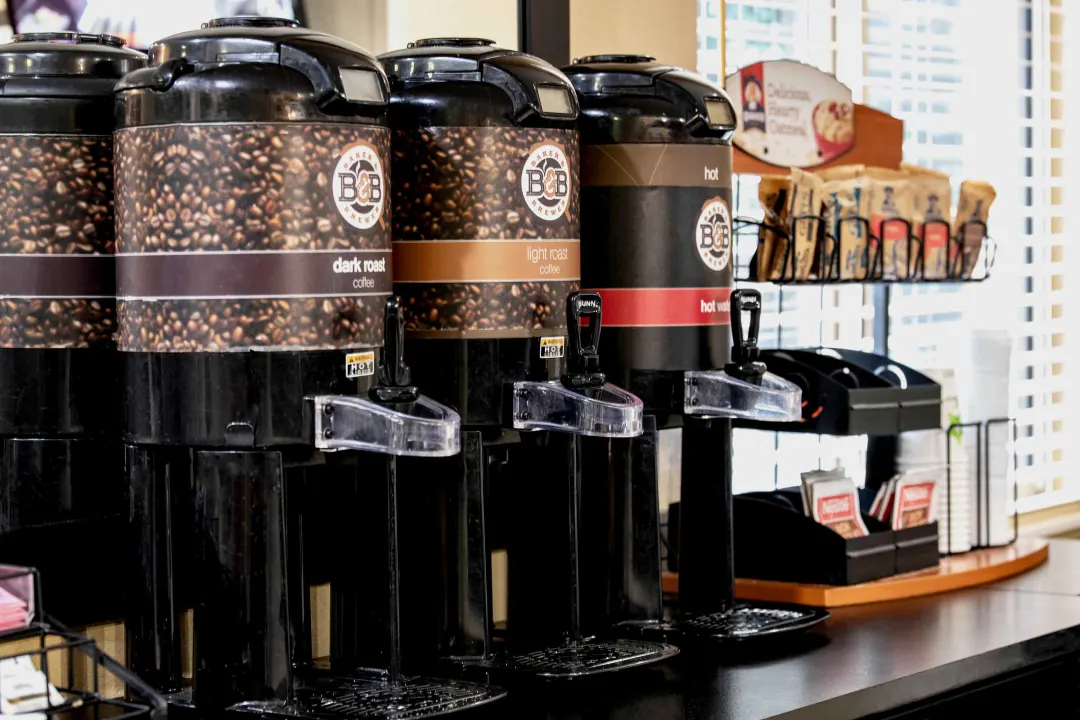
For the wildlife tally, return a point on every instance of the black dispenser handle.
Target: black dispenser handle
(583, 317)
(745, 354)
(393, 384)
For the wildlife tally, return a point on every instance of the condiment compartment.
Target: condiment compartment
(775, 540)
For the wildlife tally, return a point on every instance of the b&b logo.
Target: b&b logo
(713, 231)
(545, 182)
(359, 186)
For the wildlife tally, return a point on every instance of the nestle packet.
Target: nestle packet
(931, 198)
(812, 476)
(774, 192)
(973, 207)
(846, 201)
(835, 504)
(914, 500)
(891, 201)
(805, 200)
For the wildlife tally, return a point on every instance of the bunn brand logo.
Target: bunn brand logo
(713, 234)
(588, 304)
(359, 186)
(545, 181)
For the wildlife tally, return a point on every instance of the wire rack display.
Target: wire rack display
(986, 508)
(70, 663)
(967, 256)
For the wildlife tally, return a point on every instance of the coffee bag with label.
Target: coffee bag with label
(846, 202)
(931, 197)
(773, 194)
(891, 211)
(976, 197)
(805, 200)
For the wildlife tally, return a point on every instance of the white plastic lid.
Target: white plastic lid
(607, 411)
(715, 393)
(353, 423)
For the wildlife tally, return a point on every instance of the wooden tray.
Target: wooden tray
(953, 573)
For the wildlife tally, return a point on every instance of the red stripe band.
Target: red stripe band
(663, 307)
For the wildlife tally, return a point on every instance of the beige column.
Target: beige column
(666, 30)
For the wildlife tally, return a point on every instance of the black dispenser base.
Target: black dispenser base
(374, 697)
(746, 622)
(575, 661)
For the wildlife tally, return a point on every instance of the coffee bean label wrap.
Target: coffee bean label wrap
(56, 242)
(659, 246)
(252, 236)
(486, 230)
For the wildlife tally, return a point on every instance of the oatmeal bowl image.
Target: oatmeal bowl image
(834, 127)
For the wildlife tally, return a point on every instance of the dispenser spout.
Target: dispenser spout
(582, 402)
(397, 419)
(744, 388)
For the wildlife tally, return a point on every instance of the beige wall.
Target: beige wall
(381, 25)
(666, 30)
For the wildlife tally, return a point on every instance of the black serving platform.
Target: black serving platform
(1011, 649)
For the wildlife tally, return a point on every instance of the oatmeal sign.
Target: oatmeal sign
(791, 114)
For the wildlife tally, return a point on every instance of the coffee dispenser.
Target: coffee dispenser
(61, 477)
(487, 264)
(656, 163)
(260, 340)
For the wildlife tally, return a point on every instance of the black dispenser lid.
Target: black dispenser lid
(534, 88)
(633, 98)
(339, 72)
(54, 64)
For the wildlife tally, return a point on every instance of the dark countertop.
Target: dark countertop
(864, 660)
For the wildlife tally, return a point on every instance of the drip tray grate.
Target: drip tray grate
(750, 621)
(377, 700)
(587, 658)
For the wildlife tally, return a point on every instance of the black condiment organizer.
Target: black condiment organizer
(827, 263)
(847, 392)
(776, 540)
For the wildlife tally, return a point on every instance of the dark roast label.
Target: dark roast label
(486, 230)
(252, 236)
(56, 242)
(658, 233)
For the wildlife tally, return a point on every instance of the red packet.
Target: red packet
(836, 506)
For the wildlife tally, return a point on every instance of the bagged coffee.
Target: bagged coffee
(806, 197)
(846, 203)
(773, 194)
(972, 209)
(891, 202)
(931, 196)
(841, 172)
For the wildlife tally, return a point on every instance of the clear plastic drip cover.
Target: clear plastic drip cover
(714, 393)
(607, 411)
(354, 423)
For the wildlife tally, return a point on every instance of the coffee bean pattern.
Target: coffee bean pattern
(56, 198)
(57, 323)
(457, 183)
(196, 188)
(218, 325)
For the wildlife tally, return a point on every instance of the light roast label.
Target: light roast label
(486, 230)
(253, 236)
(56, 242)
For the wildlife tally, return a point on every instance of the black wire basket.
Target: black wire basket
(71, 663)
(967, 256)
